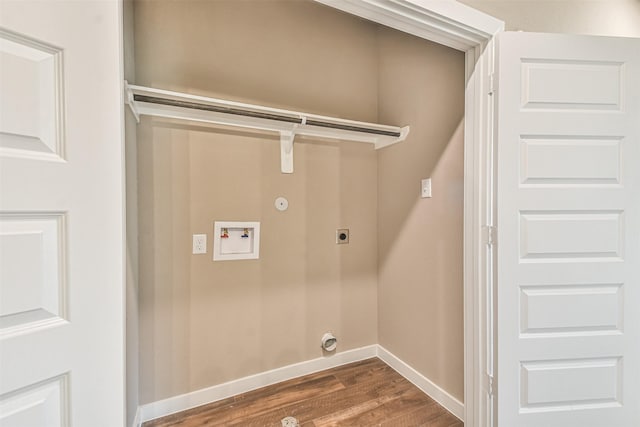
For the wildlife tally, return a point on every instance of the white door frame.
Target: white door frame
(463, 28)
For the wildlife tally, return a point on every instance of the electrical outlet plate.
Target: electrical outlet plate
(199, 243)
(426, 188)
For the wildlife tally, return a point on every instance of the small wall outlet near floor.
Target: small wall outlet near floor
(199, 244)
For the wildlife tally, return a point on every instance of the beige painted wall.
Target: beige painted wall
(285, 53)
(202, 322)
(596, 17)
(420, 241)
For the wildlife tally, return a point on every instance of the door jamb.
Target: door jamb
(463, 28)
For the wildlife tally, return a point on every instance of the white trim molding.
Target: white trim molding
(446, 22)
(137, 421)
(203, 396)
(479, 202)
(430, 388)
(218, 392)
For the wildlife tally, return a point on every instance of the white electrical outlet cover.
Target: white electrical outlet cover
(199, 244)
(426, 188)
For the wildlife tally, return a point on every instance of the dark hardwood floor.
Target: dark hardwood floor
(366, 393)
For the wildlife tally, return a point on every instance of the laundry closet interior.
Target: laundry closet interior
(194, 322)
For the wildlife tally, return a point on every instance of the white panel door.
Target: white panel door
(61, 214)
(568, 231)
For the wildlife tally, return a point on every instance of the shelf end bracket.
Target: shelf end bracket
(128, 99)
(286, 151)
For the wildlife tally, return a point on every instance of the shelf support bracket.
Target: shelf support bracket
(128, 99)
(286, 151)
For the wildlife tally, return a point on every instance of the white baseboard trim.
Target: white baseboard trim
(136, 420)
(449, 402)
(186, 401)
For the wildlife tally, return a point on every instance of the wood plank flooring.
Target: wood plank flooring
(366, 393)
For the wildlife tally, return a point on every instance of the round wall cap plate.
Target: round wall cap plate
(282, 204)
